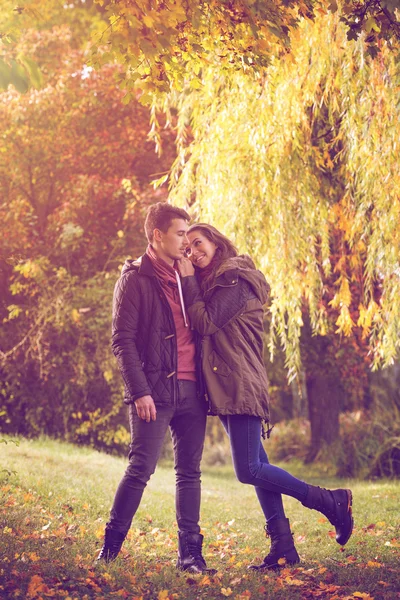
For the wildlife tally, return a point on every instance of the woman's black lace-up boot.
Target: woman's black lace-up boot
(336, 506)
(283, 552)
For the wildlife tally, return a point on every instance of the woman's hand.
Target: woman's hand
(185, 267)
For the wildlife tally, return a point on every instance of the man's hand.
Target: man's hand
(186, 267)
(146, 408)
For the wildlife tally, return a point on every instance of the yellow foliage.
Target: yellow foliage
(304, 152)
(344, 322)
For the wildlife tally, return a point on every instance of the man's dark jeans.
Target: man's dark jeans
(187, 423)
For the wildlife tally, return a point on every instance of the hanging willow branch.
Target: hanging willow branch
(286, 162)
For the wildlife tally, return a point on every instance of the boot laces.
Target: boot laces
(195, 551)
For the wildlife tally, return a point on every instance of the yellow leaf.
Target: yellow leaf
(75, 315)
(344, 322)
(33, 556)
(226, 591)
(296, 582)
(148, 21)
(163, 595)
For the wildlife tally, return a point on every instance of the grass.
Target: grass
(55, 502)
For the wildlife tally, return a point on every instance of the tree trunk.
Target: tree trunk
(324, 400)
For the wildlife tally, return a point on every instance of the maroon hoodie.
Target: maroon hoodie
(169, 278)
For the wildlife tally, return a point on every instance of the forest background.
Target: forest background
(285, 137)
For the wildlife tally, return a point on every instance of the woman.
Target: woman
(224, 295)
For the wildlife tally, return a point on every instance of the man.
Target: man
(155, 349)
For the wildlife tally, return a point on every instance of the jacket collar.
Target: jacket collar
(145, 267)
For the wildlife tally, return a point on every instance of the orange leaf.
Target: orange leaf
(36, 586)
(331, 534)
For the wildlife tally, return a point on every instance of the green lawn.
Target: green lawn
(55, 505)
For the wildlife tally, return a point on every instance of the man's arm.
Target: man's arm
(125, 321)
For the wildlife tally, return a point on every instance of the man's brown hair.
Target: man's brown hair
(160, 215)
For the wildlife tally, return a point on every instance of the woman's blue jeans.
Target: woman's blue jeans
(252, 466)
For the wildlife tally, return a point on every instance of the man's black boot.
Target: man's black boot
(113, 541)
(190, 557)
(336, 506)
(283, 551)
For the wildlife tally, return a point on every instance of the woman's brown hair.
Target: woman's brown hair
(225, 248)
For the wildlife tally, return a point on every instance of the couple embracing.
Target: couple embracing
(187, 332)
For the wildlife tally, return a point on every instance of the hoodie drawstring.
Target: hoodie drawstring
(178, 281)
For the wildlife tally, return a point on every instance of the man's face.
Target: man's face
(173, 243)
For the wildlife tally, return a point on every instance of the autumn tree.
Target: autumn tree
(75, 169)
(163, 43)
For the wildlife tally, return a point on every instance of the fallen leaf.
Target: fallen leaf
(36, 586)
(372, 563)
(296, 582)
(331, 534)
(244, 595)
(33, 556)
(226, 591)
(205, 581)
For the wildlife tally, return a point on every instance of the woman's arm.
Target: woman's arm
(225, 303)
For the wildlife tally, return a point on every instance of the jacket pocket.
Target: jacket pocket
(218, 365)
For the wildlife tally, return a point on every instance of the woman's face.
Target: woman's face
(200, 250)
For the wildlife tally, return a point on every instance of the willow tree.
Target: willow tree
(299, 167)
